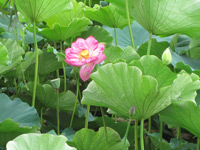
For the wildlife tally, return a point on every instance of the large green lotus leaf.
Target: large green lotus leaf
(107, 16)
(66, 17)
(120, 6)
(167, 17)
(18, 111)
(58, 33)
(98, 33)
(10, 130)
(184, 114)
(34, 141)
(128, 87)
(39, 10)
(3, 55)
(46, 94)
(87, 139)
(15, 53)
(113, 53)
(186, 85)
(153, 66)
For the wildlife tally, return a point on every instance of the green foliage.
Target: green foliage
(33, 141)
(184, 115)
(87, 139)
(40, 10)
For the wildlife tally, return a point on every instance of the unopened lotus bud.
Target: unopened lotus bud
(132, 111)
(56, 83)
(167, 57)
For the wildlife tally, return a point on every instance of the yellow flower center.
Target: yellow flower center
(84, 54)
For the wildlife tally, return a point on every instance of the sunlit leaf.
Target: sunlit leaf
(33, 141)
(167, 17)
(40, 10)
(58, 33)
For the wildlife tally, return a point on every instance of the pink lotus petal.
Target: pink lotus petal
(101, 58)
(86, 70)
(79, 45)
(92, 43)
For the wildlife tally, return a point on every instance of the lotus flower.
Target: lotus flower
(85, 53)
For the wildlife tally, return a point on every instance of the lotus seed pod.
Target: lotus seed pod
(56, 83)
(167, 57)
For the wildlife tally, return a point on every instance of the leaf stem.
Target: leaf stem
(58, 112)
(115, 32)
(57, 71)
(90, 3)
(149, 124)
(41, 118)
(64, 72)
(105, 129)
(127, 130)
(161, 133)
(36, 64)
(142, 134)
(149, 44)
(87, 116)
(198, 143)
(136, 135)
(129, 24)
(76, 102)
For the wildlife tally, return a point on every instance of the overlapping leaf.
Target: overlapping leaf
(107, 16)
(87, 139)
(184, 114)
(16, 118)
(15, 53)
(58, 33)
(3, 55)
(149, 85)
(47, 96)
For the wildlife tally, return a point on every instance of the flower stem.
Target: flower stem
(115, 32)
(127, 130)
(178, 133)
(142, 134)
(76, 102)
(57, 71)
(136, 135)
(58, 112)
(129, 24)
(149, 44)
(87, 116)
(41, 117)
(149, 124)
(90, 3)
(64, 72)
(198, 143)
(161, 133)
(105, 129)
(36, 64)
(85, 1)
